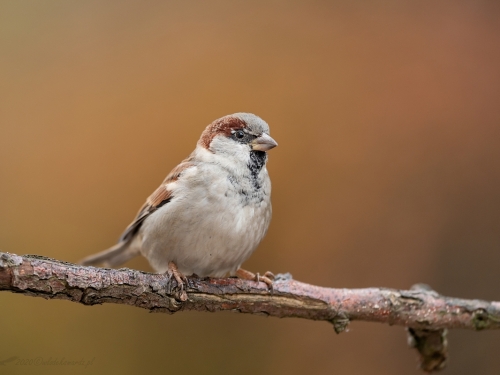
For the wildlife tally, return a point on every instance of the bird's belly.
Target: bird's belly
(204, 240)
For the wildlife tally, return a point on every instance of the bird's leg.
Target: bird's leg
(268, 277)
(179, 277)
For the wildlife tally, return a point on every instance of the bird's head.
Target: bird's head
(240, 137)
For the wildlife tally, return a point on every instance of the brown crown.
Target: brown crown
(222, 126)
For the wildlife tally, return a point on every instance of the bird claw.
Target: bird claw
(267, 278)
(269, 282)
(269, 275)
(182, 281)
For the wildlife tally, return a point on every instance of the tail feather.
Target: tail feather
(114, 256)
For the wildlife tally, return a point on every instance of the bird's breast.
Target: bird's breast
(210, 226)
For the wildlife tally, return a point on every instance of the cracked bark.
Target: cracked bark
(425, 313)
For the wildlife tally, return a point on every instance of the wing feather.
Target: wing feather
(161, 196)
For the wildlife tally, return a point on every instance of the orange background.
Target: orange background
(387, 173)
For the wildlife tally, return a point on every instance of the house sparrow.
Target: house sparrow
(210, 212)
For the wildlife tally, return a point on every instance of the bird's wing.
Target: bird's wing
(161, 196)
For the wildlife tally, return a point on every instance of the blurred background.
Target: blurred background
(387, 173)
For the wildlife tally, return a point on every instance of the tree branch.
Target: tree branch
(424, 312)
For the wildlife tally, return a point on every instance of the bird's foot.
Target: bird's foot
(267, 278)
(182, 282)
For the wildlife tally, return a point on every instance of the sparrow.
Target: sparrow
(211, 211)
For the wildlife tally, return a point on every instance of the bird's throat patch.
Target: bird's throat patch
(257, 161)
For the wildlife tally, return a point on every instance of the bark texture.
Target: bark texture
(425, 313)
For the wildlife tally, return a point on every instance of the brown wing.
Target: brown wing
(160, 197)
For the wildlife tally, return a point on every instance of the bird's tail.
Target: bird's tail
(114, 256)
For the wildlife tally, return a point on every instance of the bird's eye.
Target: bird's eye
(239, 134)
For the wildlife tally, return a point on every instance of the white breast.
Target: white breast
(213, 223)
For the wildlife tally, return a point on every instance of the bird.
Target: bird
(212, 210)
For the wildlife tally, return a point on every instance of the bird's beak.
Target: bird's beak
(263, 143)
